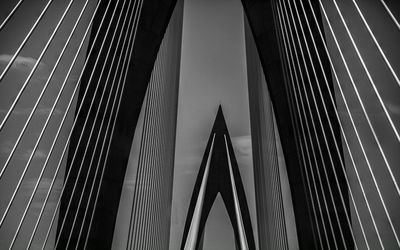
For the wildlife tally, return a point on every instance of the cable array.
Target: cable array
(319, 124)
(329, 139)
(152, 192)
(117, 58)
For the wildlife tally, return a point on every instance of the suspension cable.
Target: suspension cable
(380, 100)
(390, 14)
(130, 29)
(292, 106)
(330, 125)
(32, 154)
(145, 124)
(290, 99)
(10, 14)
(100, 129)
(78, 112)
(34, 69)
(314, 128)
(337, 114)
(86, 119)
(24, 41)
(323, 131)
(289, 52)
(358, 137)
(287, 48)
(42, 171)
(144, 147)
(43, 90)
(310, 134)
(377, 43)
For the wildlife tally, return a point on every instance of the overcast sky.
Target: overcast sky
(11, 37)
(213, 72)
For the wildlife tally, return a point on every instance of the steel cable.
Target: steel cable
(42, 171)
(289, 52)
(24, 41)
(12, 12)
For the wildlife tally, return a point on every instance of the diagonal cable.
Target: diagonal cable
(24, 41)
(358, 137)
(69, 105)
(107, 129)
(310, 134)
(100, 129)
(43, 169)
(289, 52)
(10, 14)
(395, 21)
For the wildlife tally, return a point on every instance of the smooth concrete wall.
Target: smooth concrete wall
(272, 229)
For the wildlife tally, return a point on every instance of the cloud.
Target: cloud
(38, 111)
(5, 147)
(39, 154)
(21, 63)
(41, 193)
(44, 185)
(393, 108)
(242, 145)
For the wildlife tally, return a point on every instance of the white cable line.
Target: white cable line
(309, 133)
(149, 157)
(100, 129)
(108, 126)
(129, 243)
(148, 187)
(358, 137)
(31, 156)
(323, 130)
(161, 88)
(146, 220)
(16, 99)
(41, 93)
(115, 119)
(380, 100)
(164, 61)
(390, 14)
(330, 125)
(73, 94)
(24, 41)
(140, 168)
(152, 226)
(42, 171)
(288, 72)
(92, 128)
(10, 14)
(164, 108)
(296, 124)
(377, 44)
(337, 114)
(281, 215)
(137, 233)
(376, 92)
(289, 51)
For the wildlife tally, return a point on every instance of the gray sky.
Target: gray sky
(213, 72)
(11, 36)
(389, 38)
